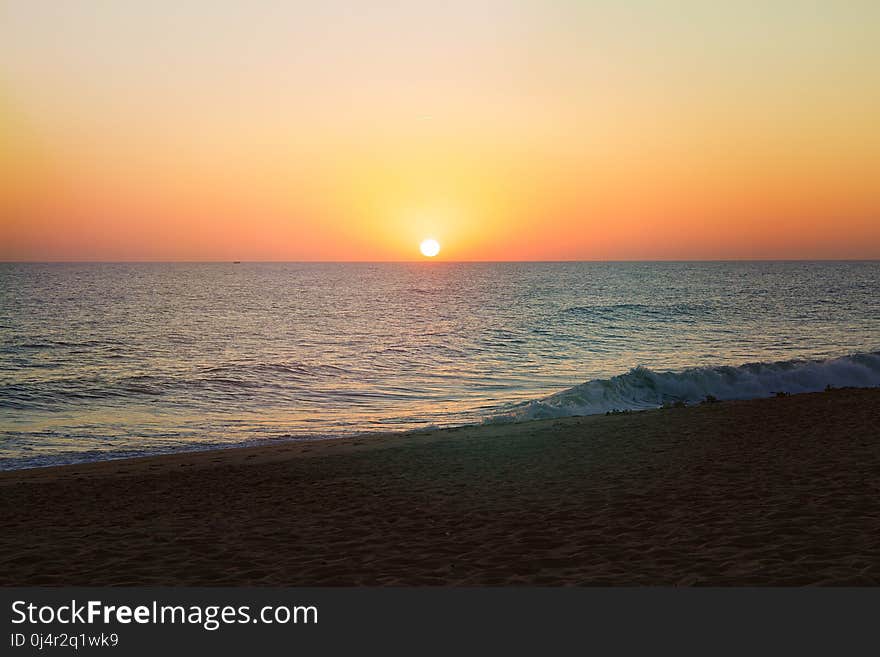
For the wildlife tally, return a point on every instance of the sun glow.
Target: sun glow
(429, 247)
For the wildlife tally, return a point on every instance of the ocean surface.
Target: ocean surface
(110, 360)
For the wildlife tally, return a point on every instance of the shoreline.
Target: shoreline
(767, 491)
(357, 439)
(625, 391)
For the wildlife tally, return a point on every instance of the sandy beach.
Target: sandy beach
(780, 491)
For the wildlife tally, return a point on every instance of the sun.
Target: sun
(429, 247)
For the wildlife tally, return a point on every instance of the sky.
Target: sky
(538, 130)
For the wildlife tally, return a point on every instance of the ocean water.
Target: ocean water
(110, 360)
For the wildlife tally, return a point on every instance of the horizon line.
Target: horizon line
(429, 260)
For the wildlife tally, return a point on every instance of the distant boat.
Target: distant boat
(236, 262)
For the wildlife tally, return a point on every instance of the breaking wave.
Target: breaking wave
(642, 388)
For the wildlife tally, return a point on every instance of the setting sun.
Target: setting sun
(429, 247)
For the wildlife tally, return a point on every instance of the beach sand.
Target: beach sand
(782, 491)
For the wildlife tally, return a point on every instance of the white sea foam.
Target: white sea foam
(642, 388)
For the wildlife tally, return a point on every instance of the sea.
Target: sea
(111, 360)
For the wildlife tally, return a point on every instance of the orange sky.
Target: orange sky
(507, 131)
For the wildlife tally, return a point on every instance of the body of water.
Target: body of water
(110, 360)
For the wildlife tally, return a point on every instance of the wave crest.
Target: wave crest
(642, 388)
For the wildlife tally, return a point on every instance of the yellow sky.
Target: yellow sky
(507, 131)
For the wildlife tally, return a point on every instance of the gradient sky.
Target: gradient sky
(506, 130)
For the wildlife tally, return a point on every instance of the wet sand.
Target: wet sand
(782, 491)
